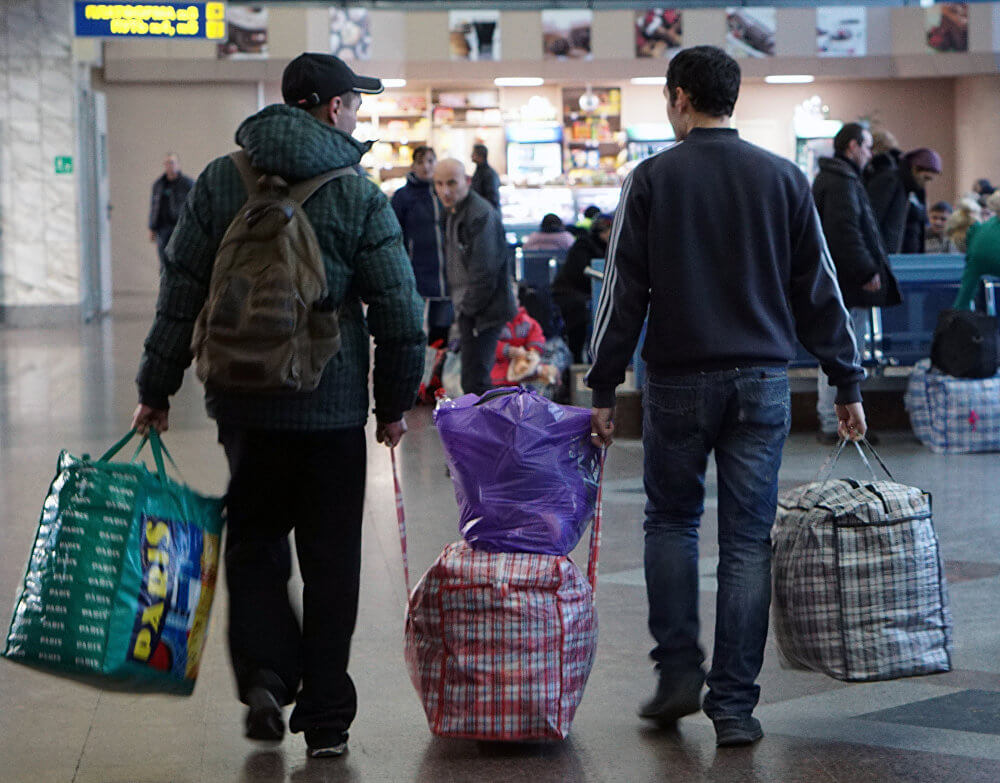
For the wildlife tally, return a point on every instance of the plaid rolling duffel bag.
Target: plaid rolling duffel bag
(499, 645)
(859, 590)
(953, 415)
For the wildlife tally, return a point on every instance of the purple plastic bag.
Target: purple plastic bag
(524, 469)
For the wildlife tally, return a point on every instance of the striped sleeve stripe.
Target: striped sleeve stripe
(826, 260)
(604, 308)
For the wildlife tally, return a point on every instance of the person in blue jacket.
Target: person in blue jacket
(421, 215)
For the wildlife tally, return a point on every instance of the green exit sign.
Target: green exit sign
(64, 164)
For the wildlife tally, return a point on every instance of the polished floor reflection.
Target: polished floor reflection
(73, 389)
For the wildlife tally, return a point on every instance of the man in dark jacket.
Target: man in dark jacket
(724, 308)
(897, 189)
(485, 180)
(478, 274)
(166, 202)
(571, 288)
(421, 215)
(852, 233)
(297, 460)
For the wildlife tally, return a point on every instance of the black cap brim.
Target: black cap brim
(368, 85)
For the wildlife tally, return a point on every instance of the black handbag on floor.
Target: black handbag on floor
(965, 344)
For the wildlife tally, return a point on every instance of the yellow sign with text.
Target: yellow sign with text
(152, 20)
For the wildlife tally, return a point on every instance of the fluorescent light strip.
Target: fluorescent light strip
(790, 79)
(658, 81)
(390, 83)
(519, 81)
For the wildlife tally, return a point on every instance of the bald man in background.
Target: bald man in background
(477, 269)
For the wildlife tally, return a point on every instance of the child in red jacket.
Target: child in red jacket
(519, 351)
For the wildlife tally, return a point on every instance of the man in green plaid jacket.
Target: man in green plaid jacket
(297, 461)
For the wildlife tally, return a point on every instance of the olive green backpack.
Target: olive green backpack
(266, 326)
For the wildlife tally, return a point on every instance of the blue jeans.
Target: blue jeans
(744, 416)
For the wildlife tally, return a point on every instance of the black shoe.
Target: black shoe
(676, 696)
(326, 743)
(731, 732)
(264, 718)
(828, 438)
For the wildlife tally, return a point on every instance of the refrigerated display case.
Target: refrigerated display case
(646, 139)
(605, 198)
(523, 208)
(593, 128)
(461, 119)
(397, 123)
(534, 153)
(814, 133)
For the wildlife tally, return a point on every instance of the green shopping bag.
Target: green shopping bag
(120, 581)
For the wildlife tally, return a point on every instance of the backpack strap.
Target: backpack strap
(299, 192)
(302, 191)
(247, 172)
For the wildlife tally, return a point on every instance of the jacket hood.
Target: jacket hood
(839, 167)
(414, 181)
(295, 145)
(885, 160)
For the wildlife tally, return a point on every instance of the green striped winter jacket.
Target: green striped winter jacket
(365, 262)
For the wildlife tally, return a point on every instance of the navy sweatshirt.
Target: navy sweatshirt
(720, 241)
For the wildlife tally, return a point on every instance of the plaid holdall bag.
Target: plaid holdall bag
(953, 415)
(859, 591)
(499, 645)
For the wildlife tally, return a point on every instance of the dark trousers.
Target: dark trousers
(743, 416)
(575, 309)
(162, 238)
(314, 483)
(478, 351)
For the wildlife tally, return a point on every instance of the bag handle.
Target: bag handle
(155, 445)
(493, 394)
(826, 469)
(400, 519)
(595, 530)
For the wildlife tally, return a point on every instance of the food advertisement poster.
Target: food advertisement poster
(566, 34)
(350, 33)
(842, 31)
(474, 35)
(658, 32)
(750, 31)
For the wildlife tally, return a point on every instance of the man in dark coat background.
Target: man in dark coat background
(478, 276)
(852, 234)
(170, 191)
(485, 180)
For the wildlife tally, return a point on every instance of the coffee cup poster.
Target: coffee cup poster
(566, 34)
(474, 35)
(350, 33)
(750, 31)
(842, 31)
(948, 27)
(247, 33)
(658, 32)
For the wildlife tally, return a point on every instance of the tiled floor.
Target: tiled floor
(73, 389)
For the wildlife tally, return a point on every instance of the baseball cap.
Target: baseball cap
(312, 79)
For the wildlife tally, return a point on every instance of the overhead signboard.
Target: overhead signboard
(151, 20)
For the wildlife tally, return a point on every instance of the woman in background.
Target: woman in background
(552, 235)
